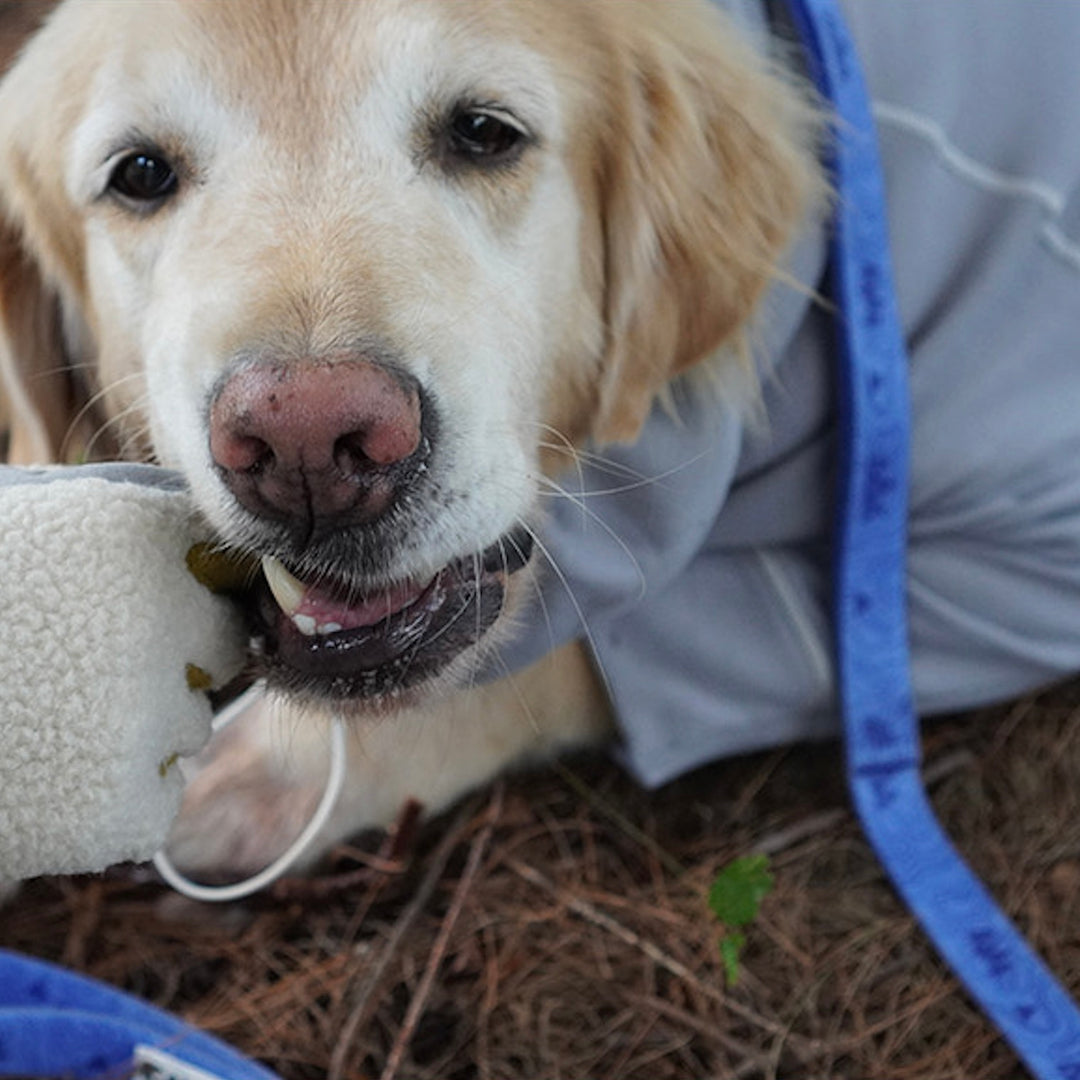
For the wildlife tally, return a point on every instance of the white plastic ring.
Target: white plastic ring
(288, 858)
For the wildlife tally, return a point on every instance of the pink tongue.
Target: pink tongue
(365, 611)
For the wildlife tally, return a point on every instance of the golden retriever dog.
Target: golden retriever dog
(367, 274)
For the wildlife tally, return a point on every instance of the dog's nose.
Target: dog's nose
(317, 444)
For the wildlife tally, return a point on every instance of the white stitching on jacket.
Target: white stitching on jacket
(1043, 195)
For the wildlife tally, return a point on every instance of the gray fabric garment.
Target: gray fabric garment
(698, 569)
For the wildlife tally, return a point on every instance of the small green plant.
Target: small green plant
(735, 899)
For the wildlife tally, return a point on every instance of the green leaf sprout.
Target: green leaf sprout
(735, 899)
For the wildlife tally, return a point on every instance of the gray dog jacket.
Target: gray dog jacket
(695, 563)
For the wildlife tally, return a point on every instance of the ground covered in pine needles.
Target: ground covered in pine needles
(555, 926)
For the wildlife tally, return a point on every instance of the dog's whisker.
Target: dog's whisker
(444, 630)
(645, 481)
(550, 487)
(476, 576)
(537, 592)
(564, 440)
(591, 515)
(65, 368)
(578, 610)
(474, 669)
(135, 442)
(117, 421)
(92, 402)
(581, 453)
(564, 446)
(595, 461)
(509, 676)
(599, 462)
(132, 444)
(602, 463)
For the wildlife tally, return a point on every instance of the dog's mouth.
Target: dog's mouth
(323, 639)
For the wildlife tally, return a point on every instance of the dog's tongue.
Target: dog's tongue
(367, 611)
(313, 609)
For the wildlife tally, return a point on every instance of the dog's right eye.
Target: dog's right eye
(143, 177)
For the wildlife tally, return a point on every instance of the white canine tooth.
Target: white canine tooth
(305, 624)
(328, 628)
(288, 591)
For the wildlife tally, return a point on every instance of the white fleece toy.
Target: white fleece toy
(107, 644)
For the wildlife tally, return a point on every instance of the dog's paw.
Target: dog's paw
(258, 783)
(249, 795)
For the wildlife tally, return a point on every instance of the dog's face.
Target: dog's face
(362, 271)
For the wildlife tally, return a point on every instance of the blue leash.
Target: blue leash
(55, 1023)
(984, 949)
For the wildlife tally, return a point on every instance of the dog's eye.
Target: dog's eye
(143, 177)
(484, 136)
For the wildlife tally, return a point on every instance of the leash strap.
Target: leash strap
(56, 1023)
(984, 949)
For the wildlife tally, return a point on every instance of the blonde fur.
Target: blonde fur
(670, 169)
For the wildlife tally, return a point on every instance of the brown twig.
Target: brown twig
(364, 998)
(388, 861)
(937, 770)
(815, 824)
(599, 918)
(707, 1029)
(613, 814)
(488, 1001)
(812, 825)
(419, 1000)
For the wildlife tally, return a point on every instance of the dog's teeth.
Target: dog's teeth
(288, 591)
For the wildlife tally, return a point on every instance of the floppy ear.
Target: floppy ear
(708, 171)
(38, 397)
(34, 379)
(18, 20)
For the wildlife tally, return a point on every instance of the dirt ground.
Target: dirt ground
(555, 927)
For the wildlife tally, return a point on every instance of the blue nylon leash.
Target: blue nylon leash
(56, 1023)
(1000, 970)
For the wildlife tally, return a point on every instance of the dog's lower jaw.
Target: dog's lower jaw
(328, 643)
(384, 703)
(370, 665)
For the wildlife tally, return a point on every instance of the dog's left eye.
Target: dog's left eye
(485, 136)
(144, 177)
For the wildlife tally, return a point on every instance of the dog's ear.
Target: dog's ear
(38, 399)
(707, 171)
(18, 21)
(34, 379)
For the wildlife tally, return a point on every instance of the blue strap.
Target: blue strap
(984, 949)
(56, 1023)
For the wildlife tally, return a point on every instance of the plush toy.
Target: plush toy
(111, 635)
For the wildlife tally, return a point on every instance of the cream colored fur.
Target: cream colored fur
(668, 171)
